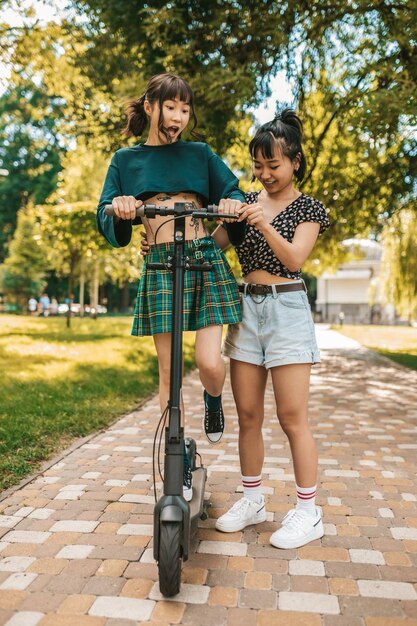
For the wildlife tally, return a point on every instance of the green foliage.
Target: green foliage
(73, 245)
(361, 181)
(24, 269)
(29, 151)
(47, 104)
(68, 234)
(82, 176)
(399, 262)
(237, 154)
(356, 87)
(225, 49)
(351, 66)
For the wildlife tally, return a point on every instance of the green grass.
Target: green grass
(398, 343)
(59, 384)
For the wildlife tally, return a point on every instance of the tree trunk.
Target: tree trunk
(95, 289)
(125, 297)
(82, 291)
(69, 298)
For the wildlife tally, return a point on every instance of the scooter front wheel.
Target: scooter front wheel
(169, 563)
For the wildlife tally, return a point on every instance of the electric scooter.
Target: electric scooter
(174, 518)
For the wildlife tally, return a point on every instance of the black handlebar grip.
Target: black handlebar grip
(151, 210)
(140, 212)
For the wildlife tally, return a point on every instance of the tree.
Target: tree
(29, 151)
(82, 176)
(351, 66)
(226, 50)
(69, 237)
(76, 251)
(81, 180)
(24, 270)
(361, 179)
(399, 262)
(46, 105)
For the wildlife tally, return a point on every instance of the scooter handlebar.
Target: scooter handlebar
(152, 210)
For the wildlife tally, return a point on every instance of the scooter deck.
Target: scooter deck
(197, 502)
(199, 482)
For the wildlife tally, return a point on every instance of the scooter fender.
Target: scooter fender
(171, 513)
(172, 509)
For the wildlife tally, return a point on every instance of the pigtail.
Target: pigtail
(136, 118)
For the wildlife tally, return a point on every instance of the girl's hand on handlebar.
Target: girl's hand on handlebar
(254, 215)
(228, 206)
(144, 246)
(125, 207)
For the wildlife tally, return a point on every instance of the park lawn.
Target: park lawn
(59, 384)
(398, 343)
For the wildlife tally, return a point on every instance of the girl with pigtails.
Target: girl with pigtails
(163, 170)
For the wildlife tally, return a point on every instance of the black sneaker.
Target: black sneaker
(213, 422)
(187, 483)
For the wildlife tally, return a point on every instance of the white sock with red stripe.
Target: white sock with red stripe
(252, 487)
(306, 499)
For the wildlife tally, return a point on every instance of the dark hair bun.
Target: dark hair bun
(287, 129)
(289, 116)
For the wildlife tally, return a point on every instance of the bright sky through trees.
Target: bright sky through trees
(48, 12)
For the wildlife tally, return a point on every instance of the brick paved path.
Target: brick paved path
(75, 543)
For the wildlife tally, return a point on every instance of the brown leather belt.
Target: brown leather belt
(264, 290)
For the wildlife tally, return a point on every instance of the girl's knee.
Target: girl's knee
(293, 424)
(249, 421)
(211, 368)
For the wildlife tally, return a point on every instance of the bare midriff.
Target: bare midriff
(261, 277)
(194, 229)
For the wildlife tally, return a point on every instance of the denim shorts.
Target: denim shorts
(276, 329)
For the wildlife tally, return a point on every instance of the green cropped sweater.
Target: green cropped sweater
(142, 171)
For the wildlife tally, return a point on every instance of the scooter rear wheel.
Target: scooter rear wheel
(169, 563)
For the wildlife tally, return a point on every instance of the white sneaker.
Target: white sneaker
(243, 513)
(298, 528)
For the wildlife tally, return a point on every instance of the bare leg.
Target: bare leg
(248, 385)
(162, 343)
(291, 388)
(212, 368)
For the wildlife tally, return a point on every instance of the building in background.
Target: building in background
(352, 295)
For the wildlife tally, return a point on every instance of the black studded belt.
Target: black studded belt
(264, 290)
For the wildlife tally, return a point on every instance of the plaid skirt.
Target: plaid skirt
(209, 297)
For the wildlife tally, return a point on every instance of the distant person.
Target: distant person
(53, 307)
(45, 302)
(69, 300)
(32, 305)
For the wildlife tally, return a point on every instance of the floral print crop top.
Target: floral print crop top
(255, 254)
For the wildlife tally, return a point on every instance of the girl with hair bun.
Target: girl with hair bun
(277, 332)
(163, 170)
